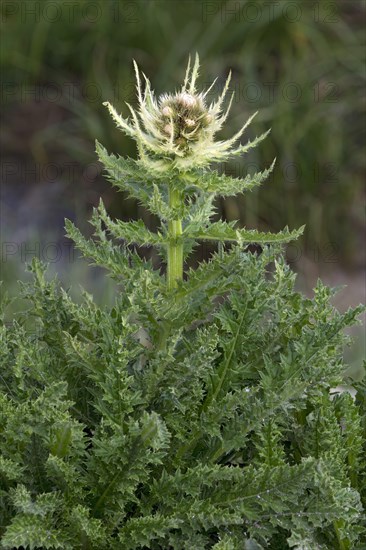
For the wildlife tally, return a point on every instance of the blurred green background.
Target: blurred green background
(301, 64)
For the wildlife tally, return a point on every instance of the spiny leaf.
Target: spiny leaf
(225, 186)
(130, 232)
(223, 231)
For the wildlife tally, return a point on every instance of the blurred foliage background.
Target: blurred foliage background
(301, 64)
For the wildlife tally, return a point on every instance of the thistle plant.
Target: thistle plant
(199, 411)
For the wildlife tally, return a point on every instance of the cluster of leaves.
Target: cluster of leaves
(199, 188)
(199, 418)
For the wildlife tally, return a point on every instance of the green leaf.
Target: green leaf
(128, 175)
(32, 532)
(223, 231)
(133, 232)
(225, 186)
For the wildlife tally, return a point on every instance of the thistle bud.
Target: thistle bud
(177, 130)
(187, 100)
(167, 111)
(189, 122)
(168, 129)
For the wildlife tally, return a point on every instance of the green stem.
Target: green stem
(343, 543)
(175, 247)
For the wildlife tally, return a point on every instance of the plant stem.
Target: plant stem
(343, 543)
(175, 247)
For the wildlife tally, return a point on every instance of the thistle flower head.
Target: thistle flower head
(177, 130)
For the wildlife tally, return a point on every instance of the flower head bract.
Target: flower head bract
(177, 131)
